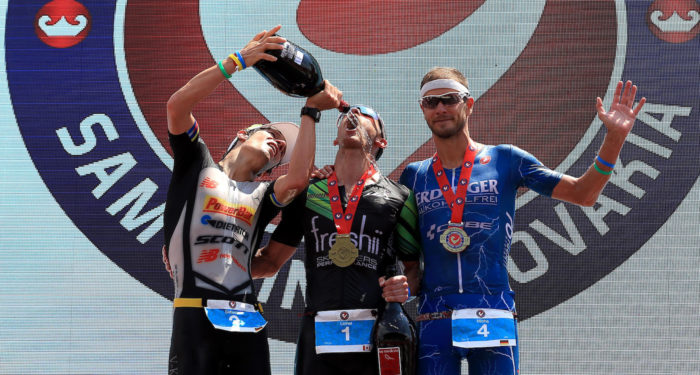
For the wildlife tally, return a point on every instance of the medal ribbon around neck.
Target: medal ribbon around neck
(455, 239)
(343, 220)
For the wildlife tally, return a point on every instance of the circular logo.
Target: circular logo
(62, 23)
(454, 239)
(480, 313)
(99, 138)
(674, 21)
(344, 315)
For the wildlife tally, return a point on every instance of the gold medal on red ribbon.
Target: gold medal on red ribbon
(455, 239)
(343, 253)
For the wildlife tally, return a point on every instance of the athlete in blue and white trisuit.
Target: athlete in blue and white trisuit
(467, 308)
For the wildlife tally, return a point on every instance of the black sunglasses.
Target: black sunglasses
(451, 98)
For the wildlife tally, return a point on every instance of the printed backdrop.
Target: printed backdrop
(611, 289)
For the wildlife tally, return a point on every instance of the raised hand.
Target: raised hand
(265, 40)
(619, 120)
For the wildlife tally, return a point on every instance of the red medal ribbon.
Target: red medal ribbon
(343, 220)
(455, 200)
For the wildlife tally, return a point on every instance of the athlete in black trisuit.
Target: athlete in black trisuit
(354, 224)
(215, 216)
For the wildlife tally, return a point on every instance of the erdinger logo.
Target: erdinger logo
(62, 23)
(98, 137)
(674, 21)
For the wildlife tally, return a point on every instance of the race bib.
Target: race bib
(344, 331)
(483, 328)
(234, 316)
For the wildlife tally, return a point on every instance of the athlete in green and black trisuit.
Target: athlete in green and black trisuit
(382, 227)
(215, 215)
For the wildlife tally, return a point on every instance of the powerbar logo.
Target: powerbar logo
(220, 206)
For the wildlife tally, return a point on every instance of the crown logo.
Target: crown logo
(62, 27)
(675, 23)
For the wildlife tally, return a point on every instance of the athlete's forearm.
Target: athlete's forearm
(199, 87)
(270, 259)
(297, 178)
(585, 190)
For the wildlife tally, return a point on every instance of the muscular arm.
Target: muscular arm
(180, 104)
(584, 190)
(269, 259)
(297, 178)
(618, 121)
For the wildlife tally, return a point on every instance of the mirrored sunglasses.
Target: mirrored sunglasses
(366, 111)
(451, 98)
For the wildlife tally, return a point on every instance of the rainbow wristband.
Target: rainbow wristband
(605, 163)
(223, 71)
(602, 171)
(241, 59)
(237, 61)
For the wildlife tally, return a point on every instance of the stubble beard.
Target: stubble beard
(448, 132)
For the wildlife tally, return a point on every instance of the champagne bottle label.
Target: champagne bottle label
(389, 361)
(292, 53)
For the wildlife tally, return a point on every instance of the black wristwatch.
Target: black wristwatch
(314, 113)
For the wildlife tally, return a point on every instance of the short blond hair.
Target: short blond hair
(440, 72)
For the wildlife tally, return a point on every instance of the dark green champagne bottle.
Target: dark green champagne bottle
(394, 336)
(296, 72)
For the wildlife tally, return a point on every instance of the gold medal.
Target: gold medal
(454, 239)
(343, 253)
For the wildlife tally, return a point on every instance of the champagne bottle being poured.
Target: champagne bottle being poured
(296, 72)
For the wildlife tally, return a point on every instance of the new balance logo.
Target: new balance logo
(209, 183)
(207, 256)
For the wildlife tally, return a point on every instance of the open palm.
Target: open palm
(620, 118)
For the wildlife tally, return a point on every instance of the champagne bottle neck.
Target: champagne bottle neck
(393, 308)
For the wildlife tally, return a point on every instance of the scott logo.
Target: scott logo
(205, 239)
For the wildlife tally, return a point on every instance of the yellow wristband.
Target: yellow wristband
(238, 62)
